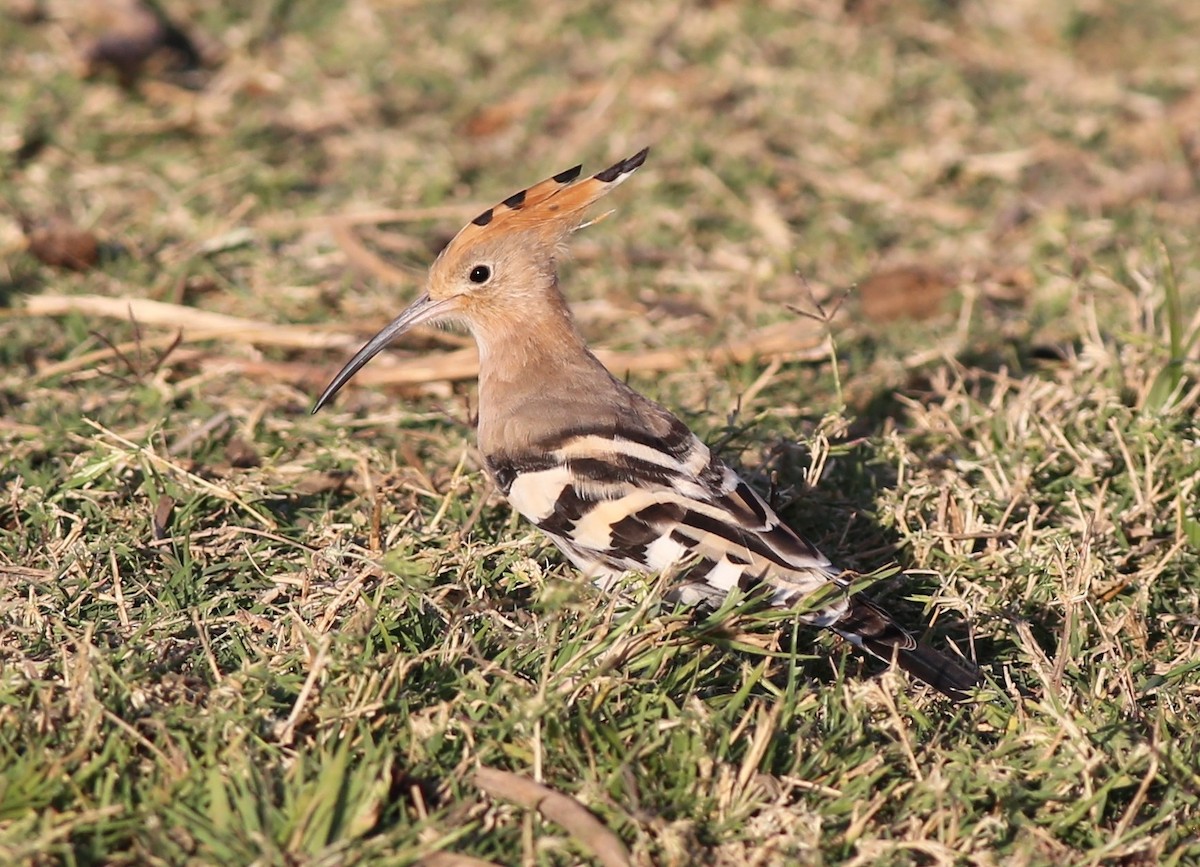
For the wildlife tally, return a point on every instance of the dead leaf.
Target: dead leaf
(492, 119)
(906, 292)
(162, 516)
(329, 482)
(241, 453)
(60, 243)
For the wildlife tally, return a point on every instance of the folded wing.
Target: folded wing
(619, 499)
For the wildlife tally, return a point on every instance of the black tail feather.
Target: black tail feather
(871, 628)
(952, 676)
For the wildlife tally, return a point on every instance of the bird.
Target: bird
(616, 480)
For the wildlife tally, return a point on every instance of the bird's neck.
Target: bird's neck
(530, 369)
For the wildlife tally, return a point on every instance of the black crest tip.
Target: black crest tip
(568, 176)
(515, 201)
(624, 167)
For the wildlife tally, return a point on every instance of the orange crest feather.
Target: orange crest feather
(553, 207)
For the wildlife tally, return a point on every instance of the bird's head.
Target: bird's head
(497, 262)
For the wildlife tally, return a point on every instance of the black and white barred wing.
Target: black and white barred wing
(620, 501)
(615, 502)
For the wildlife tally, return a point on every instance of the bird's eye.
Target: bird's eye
(480, 274)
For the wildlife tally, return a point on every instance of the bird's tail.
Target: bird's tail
(868, 626)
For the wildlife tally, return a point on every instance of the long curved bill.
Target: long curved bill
(421, 310)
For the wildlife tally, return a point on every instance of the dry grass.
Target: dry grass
(231, 632)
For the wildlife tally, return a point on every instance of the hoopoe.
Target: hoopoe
(614, 479)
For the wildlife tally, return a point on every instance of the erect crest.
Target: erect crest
(554, 207)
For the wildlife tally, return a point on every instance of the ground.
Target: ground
(927, 270)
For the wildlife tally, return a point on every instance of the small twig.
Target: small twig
(901, 732)
(202, 633)
(380, 215)
(360, 257)
(25, 573)
(747, 397)
(118, 593)
(175, 763)
(786, 341)
(1139, 797)
(120, 354)
(766, 344)
(825, 318)
(288, 730)
(558, 808)
(464, 529)
(190, 438)
(764, 730)
(453, 859)
(202, 325)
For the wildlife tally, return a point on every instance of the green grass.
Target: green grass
(231, 632)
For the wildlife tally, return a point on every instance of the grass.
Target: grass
(232, 632)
